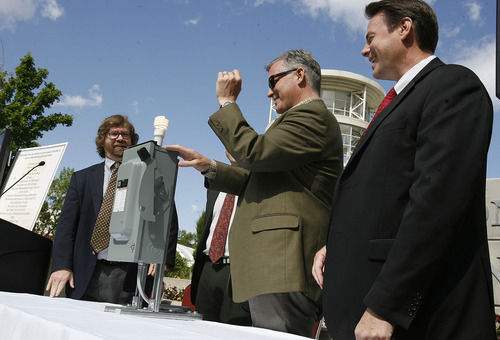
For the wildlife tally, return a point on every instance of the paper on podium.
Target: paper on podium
(22, 203)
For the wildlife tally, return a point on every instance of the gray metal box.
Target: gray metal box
(142, 209)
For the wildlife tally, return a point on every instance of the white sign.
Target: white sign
(21, 202)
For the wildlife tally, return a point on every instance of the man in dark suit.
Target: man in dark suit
(407, 252)
(284, 184)
(210, 280)
(87, 275)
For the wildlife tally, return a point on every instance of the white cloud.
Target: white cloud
(474, 12)
(94, 100)
(12, 11)
(52, 10)
(192, 22)
(480, 57)
(135, 105)
(195, 208)
(450, 32)
(347, 12)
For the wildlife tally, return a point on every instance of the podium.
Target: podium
(24, 259)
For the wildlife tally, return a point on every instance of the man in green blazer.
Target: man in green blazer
(285, 186)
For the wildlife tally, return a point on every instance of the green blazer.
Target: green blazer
(285, 187)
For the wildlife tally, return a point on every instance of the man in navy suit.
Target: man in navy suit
(407, 251)
(86, 275)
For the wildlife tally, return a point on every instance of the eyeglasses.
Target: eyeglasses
(114, 135)
(272, 79)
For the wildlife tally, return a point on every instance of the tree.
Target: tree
(186, 239)
(51, 208)
(181, 269)
(23, 100)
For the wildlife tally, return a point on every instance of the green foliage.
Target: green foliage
(173, 293)
(23, 100)
(51, 209)
(181, 270)
(186, 239)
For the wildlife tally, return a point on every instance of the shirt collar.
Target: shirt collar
(108, 163)
(410, 74)
(305, 101)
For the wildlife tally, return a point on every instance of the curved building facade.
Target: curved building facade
(353, 99)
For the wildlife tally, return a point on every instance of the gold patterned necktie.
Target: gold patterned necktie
(100, 236)
(218, 244)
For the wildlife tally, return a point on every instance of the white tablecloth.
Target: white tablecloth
(26, 316)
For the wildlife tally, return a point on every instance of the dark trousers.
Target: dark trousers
(213, 301)
(106, 284)
(290, 312)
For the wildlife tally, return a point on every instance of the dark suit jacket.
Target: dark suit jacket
(285, 187)
(408, 233)
(200, 256)
(72, 248)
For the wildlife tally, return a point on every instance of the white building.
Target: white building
(353, 99)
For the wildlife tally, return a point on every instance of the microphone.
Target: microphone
(42, 163)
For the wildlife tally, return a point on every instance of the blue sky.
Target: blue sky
(144, 58)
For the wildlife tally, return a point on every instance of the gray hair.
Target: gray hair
(301, 58)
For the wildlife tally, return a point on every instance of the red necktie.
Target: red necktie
(218, 245)
(388, 98)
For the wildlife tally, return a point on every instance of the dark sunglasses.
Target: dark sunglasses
(272, 79)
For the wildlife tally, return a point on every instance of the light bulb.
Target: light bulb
(161, 125)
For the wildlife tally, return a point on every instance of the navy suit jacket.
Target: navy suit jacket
(408, 227)
(72, 248)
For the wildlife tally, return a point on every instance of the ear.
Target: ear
(301, 76)
(405, 28)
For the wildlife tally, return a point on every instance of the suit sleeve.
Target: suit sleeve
(172, 239)
(229, 179)
(297, 140)
(449, 169)
(64, 242)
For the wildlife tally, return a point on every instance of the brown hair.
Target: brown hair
(423, 17)
(108, 123)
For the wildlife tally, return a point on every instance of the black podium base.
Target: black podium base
(24, 259)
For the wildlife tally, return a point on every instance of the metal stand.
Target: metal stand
(154, 306)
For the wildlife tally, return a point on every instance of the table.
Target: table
(27, 316)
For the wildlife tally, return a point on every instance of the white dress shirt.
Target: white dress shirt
(215, 217)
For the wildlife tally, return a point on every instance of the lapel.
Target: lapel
(392, 106)
(96, 178)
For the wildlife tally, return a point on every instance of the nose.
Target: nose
(119, 136)
(365, 51)
(270, 93)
